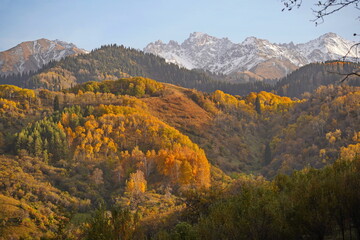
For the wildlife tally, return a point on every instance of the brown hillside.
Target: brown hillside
(177, 109)
(273, 68)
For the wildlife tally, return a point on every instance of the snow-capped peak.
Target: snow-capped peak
(195, 36)
(64, 44)
(199, 39)
(329, 35)
(329, 46)
(159, 42)
(249, 41)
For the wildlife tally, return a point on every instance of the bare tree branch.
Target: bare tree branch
(356, 45)
(323, 7)
(347, 75)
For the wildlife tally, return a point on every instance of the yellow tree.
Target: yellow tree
(136, 184)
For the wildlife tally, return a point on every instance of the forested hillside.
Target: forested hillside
(154, 159)
(308, 78)
(94, 148)
(112, 62)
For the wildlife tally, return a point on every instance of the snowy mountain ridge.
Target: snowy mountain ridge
(32, 55)
(260, 56)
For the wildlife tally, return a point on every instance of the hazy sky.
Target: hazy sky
(134, 23)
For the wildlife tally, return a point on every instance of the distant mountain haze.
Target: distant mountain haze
(258, 56)
(32, 55)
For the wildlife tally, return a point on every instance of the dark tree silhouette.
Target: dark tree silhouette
(267, 154)
(258, 105)
(322, 8)
(56, 103)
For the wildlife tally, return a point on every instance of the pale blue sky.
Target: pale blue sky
(134, 23)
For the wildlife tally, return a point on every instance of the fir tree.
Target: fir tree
(267, 154)
(258, 105)
(56, 103)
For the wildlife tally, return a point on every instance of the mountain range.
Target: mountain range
(254, 58)
(32, 55)
(113, 62)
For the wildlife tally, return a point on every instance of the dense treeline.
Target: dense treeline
(308, 78)
(21, 79)
(136, 86)
(309, 204)
(17, 79)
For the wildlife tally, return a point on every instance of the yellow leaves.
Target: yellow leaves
(322, 155)
(142, 187)
(350, 152)
(113, 129)
(98, 132)
(60, 126)
(79, 130)
(130, 185)
(168, 164)
(91, 123)
(332, 137)
(97, 147)
(13, 92)
(65, 119)
(107, 129)
(225, 100)
(153, 129)
(125, 154)
(138, 132)
(112, 146)
(356, 137)
(186, 173)
(89, 137)
(70, 135)
(184, 165)
(136, 184)
(89, 150)
(7, 104)
(270, 101)
(116, 110)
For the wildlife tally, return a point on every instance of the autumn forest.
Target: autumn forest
(92, 147)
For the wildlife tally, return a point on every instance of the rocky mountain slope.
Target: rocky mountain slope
(259, 56)
(32, 55)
